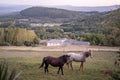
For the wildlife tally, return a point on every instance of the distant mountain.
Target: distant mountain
(45, 12)
(89, 9)
(8, 9)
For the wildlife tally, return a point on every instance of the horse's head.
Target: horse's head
(88, 53)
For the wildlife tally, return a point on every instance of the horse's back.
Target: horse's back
(76, 57)
(71, 53)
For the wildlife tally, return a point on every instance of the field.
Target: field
(28, 61)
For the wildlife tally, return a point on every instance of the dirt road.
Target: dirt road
(22, 51)
(61, 48)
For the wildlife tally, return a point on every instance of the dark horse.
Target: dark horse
(56, 62)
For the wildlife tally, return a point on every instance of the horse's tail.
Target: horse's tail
(43, 62)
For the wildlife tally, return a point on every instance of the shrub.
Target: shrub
(36, 40)
(28, 43)
(4, 44)
(116, 75)
(4, 73)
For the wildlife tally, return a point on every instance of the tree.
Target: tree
(17, 36)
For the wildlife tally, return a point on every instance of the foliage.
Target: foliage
(116, 75)
(28, 43)
(4, 73)
(5, 24)
(17, 36)
(4, 44)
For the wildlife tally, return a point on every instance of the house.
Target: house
(45, 24)
(56, 42)
(85, 43)
(36, 24)
(22, 20)
(64, 41)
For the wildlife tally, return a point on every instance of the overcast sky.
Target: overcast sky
(62, 2)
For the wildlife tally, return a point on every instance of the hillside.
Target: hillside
(103, 19)
(112, 18)
(45, 12)
(7, 9)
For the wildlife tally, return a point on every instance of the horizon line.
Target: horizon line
(58, 5)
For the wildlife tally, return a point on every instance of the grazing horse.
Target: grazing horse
(78, 58)
(56, 62)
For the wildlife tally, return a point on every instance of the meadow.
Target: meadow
(29, 65)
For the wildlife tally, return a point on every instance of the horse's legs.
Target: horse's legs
(46, 68)
(81, 66)
(58, 70)
(71, 65)
(67, 65)
(62, 70)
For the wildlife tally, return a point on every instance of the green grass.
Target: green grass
(93, 68)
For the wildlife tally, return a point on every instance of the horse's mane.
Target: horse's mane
(61, 56)
(64, 57)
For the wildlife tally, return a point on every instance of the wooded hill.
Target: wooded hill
(45, 12)
(97, 28)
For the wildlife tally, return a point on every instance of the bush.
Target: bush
(36, 41)
(116, 75)
(4, 44)
(18, 44)
(4, 73)
(28, 43)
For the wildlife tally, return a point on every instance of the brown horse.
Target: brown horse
(56, 62)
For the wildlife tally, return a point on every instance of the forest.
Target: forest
(99, 28)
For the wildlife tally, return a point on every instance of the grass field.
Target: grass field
(93, 67)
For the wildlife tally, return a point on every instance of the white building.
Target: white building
(85, 43)
(64, 41)
(56, 42)
(45, 24)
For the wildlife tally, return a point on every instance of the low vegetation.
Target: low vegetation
(94, 68)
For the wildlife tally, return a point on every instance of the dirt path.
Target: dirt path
(22, 51)
(61, 48)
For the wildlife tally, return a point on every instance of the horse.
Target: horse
(78, 58)
(55, 62)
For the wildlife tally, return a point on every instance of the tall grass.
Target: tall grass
(4, 73)
(93, 68)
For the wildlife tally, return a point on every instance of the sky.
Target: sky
(62, 2)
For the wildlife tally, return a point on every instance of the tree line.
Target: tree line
(18, 37)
